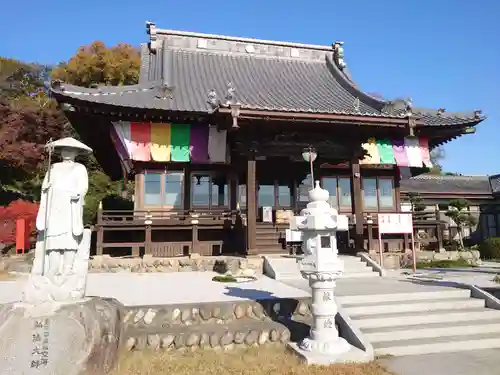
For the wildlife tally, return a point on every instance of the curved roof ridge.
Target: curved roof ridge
(101, 89)
(152, 30)
(344, 78)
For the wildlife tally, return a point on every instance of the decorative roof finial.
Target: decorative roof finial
(477, 114)
(409, 107)
(441, 111)
(153, 38)
(356, 105)
(230, 93)
(338, 55)
(164, 92)
(212, 98)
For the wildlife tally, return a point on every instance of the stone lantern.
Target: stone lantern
(321, 267)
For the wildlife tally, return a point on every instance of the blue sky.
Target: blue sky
(442, 53)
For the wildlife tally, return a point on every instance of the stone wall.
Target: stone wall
(396, 260)
(221, 264)
(104, 263)
(216, 325)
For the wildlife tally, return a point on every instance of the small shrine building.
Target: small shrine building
(216, 134)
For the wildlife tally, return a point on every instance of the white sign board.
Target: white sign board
(267, 214)
(395, 223)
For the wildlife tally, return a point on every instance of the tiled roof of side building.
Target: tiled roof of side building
(447, 184)
(184, 71)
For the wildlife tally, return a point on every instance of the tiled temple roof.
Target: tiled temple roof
(427, 183)
(193, 72)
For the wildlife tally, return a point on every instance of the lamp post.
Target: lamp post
(309, 154)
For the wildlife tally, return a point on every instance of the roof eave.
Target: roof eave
(318, 116)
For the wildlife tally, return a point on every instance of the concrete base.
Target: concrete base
(353, 355)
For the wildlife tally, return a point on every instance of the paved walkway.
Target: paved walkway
(372, 285)
(474, 362)
(482, 276)
(135, 289)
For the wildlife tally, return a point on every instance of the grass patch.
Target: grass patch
(444, 264)
(224, 279)
(267, 360)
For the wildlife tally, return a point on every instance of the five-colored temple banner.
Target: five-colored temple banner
(385, 151)
(199, 143)
(180, 140)
(160, 142)
(407, 152)
(398, 147)
(424, 150)
(217, 145)
(372, 155)
(140, 145)
(413, 152)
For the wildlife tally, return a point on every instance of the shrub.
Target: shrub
(490, 248)
(460, 263)
(18, 209)
(451, 245)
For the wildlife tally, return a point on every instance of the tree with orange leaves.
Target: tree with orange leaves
(97, 64)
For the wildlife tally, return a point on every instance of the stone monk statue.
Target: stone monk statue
(63, 245)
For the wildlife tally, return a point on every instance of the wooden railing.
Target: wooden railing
(161, 217)
(147, 221)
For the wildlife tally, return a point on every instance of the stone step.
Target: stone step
(465, 328)
(412, 306)
(284, 268)
(438, 344)
(425, 317)
(268, 242)
(357, 269)
(355, 275)
(267, 235)
(403, 297)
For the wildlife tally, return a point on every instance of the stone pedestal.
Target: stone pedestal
(77, 339)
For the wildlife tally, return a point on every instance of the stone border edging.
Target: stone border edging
(491, 301)
(370, 262)
(352, 334)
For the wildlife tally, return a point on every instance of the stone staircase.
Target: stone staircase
(424, 322)
(268, 238)
(286, 267)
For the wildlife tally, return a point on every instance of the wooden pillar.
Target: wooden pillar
(295, 196)
(439, 229)
(194, 238)
(147, 240)
(357, 204)
(397, 189)
(100, 239)
(123, 188)
(233, 191)
(251, 206)
(370, 235)
(187, 189)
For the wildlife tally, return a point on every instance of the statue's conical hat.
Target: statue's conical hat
(70, 142)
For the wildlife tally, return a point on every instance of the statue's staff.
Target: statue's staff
(50, 149)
